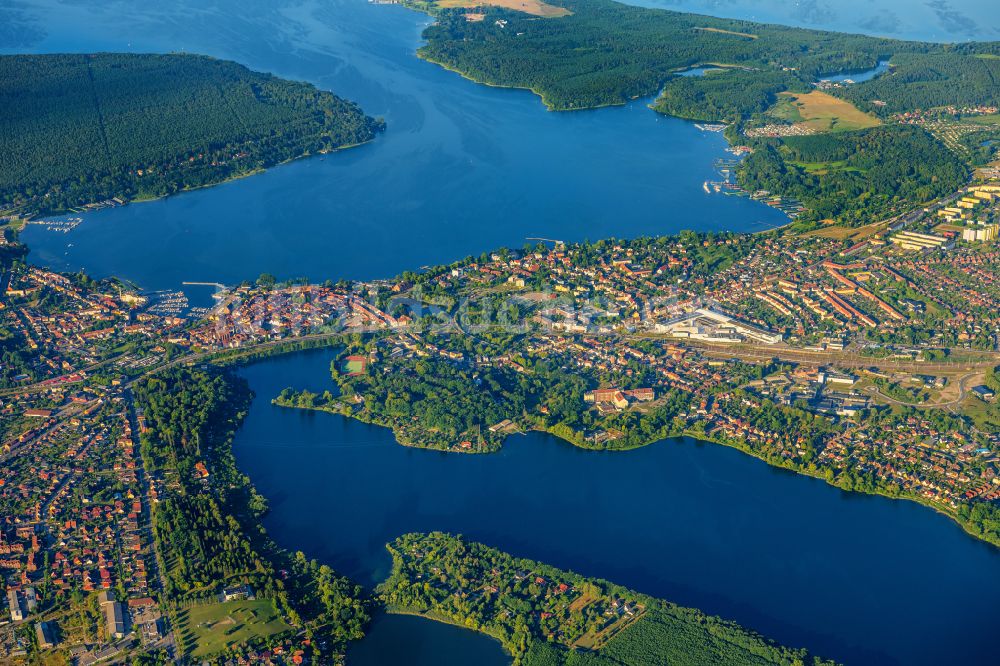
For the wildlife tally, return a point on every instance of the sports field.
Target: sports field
(355, 365)
(211, 628)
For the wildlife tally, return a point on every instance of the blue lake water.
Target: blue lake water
(463, 168)
(862, 579)
(859, 77)
(413, 641)
(922, 20)
(699, 71)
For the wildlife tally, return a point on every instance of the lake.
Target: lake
(930, 20)
(414, 641)
(462, 168)
(862, 579)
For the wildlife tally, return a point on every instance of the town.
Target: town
(862, 356)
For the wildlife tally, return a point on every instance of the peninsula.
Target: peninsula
(547, 617)
(131, 127)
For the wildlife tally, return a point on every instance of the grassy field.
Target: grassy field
(354, 367)
(821, 112)
(211, 628)
(533, 7)
(821, 168)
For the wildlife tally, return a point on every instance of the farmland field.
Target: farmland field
(821, 112)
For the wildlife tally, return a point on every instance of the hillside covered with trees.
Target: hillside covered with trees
(79, 129)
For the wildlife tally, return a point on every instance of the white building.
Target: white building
(713, 326)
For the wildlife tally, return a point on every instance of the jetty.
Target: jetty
(217, 285)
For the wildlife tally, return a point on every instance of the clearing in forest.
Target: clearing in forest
(728, 32)
(215, 627)
(821, 112)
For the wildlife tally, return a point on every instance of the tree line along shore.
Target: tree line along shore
(92, 130)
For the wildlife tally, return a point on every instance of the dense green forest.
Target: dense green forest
(548, 617)
(428, 402)
(79, 129)
(855, 177)
(607, 52)
(726, 95)
(959, 76)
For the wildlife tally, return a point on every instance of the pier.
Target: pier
(217, 285)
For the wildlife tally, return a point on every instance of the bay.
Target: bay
(414, 641)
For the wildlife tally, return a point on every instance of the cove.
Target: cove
(861, 579)
(462, 168)
(860, 76)
(405, 639)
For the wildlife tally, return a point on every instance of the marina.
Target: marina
(167, 303)
(64, 225)
(710, 127)
(728, 185)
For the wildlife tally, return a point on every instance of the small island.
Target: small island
(88, 131)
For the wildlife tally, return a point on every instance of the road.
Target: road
(168, 642)
(962, 360)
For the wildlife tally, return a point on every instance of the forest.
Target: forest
(608, 53)
(548, 617)
(83, 129)
(964, 76)
(855, 177)
(726, 95)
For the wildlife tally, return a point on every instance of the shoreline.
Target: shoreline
(388, 609)
(702, 439)
(256, 171)
(553, 109)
